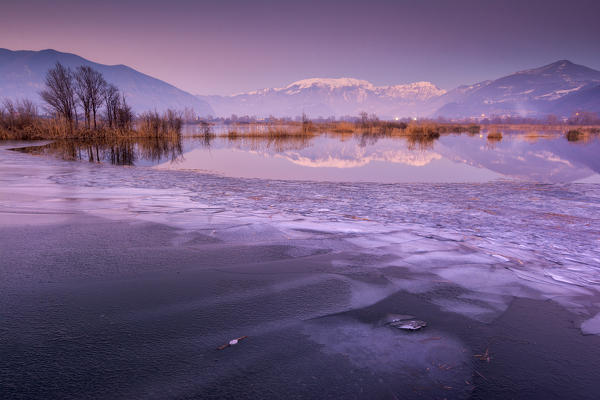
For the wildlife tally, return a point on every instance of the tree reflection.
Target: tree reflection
(121, 151)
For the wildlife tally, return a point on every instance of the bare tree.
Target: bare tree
(90, 88)
(364, 119)
(97, 87)
(552, 119)
(112, 103)
(124, 115)
(59, 93)
(17, 115)
(82, 90)
(189, 115)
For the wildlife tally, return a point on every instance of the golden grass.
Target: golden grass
(494, 136)
(35, 129)
(546, 128)
(578, 135)
(170, 125)
(343, 127)
(373, 128)
(270, 131)
(53, 129)
(153, 124)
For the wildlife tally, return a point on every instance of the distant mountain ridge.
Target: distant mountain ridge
(559, 88)
(22, 75)
(552, 89)
(329, 96)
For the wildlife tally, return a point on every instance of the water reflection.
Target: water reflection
(542, 158)
(119, 151)
(415, 142)
(270, 144)
(532, 156)
(539, 157)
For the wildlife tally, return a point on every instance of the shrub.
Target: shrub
(153, 124)
(574, 135)
(494, 136)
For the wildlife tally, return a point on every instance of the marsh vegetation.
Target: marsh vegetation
(494, 136)
(419, 133)
(582, 134)
(80, 104)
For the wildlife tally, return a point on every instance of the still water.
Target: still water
(543, 157)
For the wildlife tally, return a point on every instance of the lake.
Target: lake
(541, 157)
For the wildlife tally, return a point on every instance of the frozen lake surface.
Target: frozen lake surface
(125, 279)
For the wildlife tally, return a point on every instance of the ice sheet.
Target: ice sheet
(494, 240)
(591, 326)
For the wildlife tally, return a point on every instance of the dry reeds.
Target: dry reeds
(271, 131)
(575, 135)
(278, 137)
(343, 127)
(153, 124)
(19, 121)
(372, 128)
(424, 131)
(494, 136)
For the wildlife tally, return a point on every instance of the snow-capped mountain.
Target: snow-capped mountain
(22, 75)
(330, 96)
(559, 88)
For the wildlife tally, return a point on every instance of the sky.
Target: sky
(230, 46)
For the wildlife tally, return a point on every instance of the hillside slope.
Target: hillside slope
(22, 75)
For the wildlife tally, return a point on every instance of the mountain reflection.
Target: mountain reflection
(550, 159)
(539, 157)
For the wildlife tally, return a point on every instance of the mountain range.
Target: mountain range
(22, 75)
(560, 88)
(330, 97)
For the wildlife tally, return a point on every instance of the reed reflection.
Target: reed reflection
(118, 151)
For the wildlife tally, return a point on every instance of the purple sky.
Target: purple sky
(226, 46)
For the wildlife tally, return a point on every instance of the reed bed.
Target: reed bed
(277, 137)
(375, 128)
(558, 129)
(297, 135)
(494, 136)
(30, 126)
(153, 124)
(577, 135)
(270, 131)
